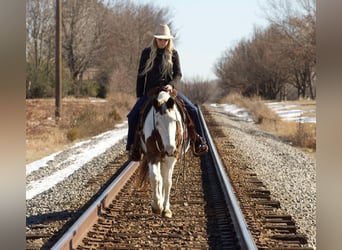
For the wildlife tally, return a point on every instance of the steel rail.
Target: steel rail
(243, 234)
(73, 236)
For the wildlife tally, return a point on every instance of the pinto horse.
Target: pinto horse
(163, 141)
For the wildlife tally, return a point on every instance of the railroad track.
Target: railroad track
(202, 218)
(206, 213)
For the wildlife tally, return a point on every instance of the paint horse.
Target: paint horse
(163, 141)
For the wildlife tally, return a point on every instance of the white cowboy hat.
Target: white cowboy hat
(163, 32)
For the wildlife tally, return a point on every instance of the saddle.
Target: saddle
(189, 132)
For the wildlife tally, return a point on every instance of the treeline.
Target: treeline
(102, 41)
(101, 44)
(279, 61)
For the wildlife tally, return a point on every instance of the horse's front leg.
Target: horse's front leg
(166, 173)
(156, 186)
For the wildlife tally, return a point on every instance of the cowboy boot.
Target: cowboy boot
(198, 144)
(135, 150)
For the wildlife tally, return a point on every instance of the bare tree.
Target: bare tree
(84, 32)
(101, 39)
(267, 63)
(255, 67)
(130, 24)
(303, 55)
(200, 91)
(297, 21)
(39, 47)
(283, 53)
(230, 68)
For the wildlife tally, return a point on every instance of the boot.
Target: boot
(135, 150)
(199, 146)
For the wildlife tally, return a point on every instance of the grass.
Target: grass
(81, 118)
(301, 135)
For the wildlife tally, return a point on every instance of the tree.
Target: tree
(254, 67)
(85, 30)
(200, 91)
(230, 68)
(130, 25)
(279, 55)
(39, 48)
(102, 42)
(298, 23)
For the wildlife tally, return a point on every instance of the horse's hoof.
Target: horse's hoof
(156, 210)
(167, 213)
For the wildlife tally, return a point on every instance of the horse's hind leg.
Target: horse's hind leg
(166, 173)
(156, 186)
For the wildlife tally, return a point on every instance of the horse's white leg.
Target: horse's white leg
(156, 186)
(166, 173)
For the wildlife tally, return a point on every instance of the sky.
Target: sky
(207, 28)
(87, 150)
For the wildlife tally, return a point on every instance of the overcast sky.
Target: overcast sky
(207, 28)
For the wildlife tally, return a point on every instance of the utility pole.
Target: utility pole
(58, 85)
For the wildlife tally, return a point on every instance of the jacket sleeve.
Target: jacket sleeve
(177, 72)
(140, 85)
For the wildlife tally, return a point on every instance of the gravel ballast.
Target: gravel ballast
(288, 172)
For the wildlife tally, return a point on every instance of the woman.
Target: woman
(159, 67)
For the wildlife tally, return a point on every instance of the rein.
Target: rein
(160, 148)
(154, 127)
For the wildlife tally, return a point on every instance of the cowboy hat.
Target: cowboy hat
(163, 32)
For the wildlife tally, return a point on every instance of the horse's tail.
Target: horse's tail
(142, 175)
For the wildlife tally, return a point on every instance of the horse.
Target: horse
(163, 140)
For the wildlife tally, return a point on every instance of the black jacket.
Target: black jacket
(153, 78)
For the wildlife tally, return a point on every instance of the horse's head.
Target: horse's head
(167, 123)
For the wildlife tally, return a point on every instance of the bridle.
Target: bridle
(159, 143)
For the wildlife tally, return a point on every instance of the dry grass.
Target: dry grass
(301, 135)
(260, 113)
(81, 118)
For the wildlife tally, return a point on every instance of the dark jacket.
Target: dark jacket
(154, 78)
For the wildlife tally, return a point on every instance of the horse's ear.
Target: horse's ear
(170, 103)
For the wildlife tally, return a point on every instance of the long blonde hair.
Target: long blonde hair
(166, 61)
